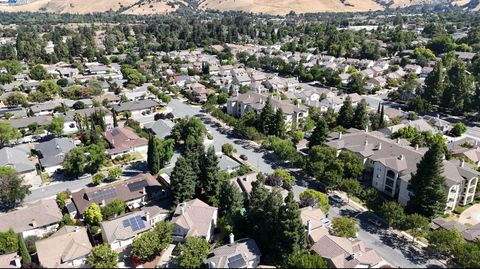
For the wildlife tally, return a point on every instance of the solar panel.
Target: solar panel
(136, 223)
(236, 261)
(115, 132)
(136, 186)
(126, 223)
(104, 194)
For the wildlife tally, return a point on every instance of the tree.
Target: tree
(417, 224)
(297, 136)
(279, 126)
(458, 129)
(301, 259)
(445, 242)
(210, 179)
(26, 259)
(98, 178)
(8, 242)
(267, 118)
(428, 185)
(75, 162)
(93, 214)
(292, 231)
(7, 133)
(149, 244)
(12, 188)
(353, 166)
(319, 135)
(56, 126)
(114, 115)
(315, 198)
(113, 209)
(360, 117)
(153, 155)
(95, 157)
(60, 199)
(393, 213)
(350, 187)
(102, 256)
(193, 252)
(346, 113)
(228, 149)
(189, 127)
(468, 255)
(356, 83)
(17, 98)
(344, 227)
(434, 84)
(182, 181)
(230, 199)
(458, 90)
(115, 172)
(286, 180)
(38, 73)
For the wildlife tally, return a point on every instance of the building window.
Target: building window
(390, 174)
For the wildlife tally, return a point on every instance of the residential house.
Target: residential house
(240, 77)
(341, 252)
(226, 163)
(11, 260)
(200, 92)
(239, 105)
(135, 192)
(392, 113)
(194, 218)
(67, 247)
(52, 153)
(71, 121)
(119, 233)
(24, 123)
(472, 154)
(123, 140)
(37, 219)
(160, 128)
(46, 108)
(471, 234)
(243, 253)
(441, 124)
(18, 158)
(390, 165)
(413, 68)
(244, 183)
(138, 108)
(97, 68)
(13, 112)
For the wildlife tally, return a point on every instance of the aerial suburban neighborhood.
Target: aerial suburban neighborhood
(198, 137)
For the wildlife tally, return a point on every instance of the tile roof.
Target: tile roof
(136, 105)
(28, 218)
(197, 217)
(25, 122)
(123, 139)
(115, 230)
(67, 244)
(240, 254)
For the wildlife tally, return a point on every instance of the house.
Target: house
(343, 253)
(390, 164)
(312, 218)
(413, 68)
(160, 128)
(471, 234)
(119, 233)
(52, 153)
(97, 68)
(240, 77)
(441, 124)
(12, 260)
(18, 158)
(194, 218)
(28, 222)
(472, 154)
(392, 113)
(123, 140)
(67, 247)
(243, 253)
(239, 105)
(13, 112)
(421, 125)
(226, 163)
(138, 108)
(135, 192)
(71, 121)
(244, 183)
(45, 108)
(24, 123)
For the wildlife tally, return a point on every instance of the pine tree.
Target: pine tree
(382, 117)
(345, 115)
(292, 231)
(458, 90)
(267, 118)
(114, 115)
(182, 181)
(153, 156)
(230, 199)
(428, 186)
(360, 118)
(434, 86)
(210, 179)
(280, 128)
(319, 135)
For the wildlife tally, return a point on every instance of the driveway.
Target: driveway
(471, 215)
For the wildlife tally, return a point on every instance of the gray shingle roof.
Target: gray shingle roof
(53, 151)
(17, 158)
(136, 105)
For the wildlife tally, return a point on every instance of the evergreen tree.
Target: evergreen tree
(346, 113)
(114, 115)
(319, 135)
(458, 90)
(153, 157)
(428, 186)
(280, 128)
(230, 199)
(267, 118)
(183, 181)
(292, 236)
(210, 179)
(360, 118)
(382, 122)
(433, 90)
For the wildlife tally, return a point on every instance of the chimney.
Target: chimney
(366, 129)
(443, 157)
(398, 140)
(77, 229)
(416, 147)
(462, 164)
(147, 216)
(340, 135)
(34, 223)
(231, 238)
(17, 261)
(182, 208)
(379, 146)
(401, 157)
(309, 227)
(103, 203)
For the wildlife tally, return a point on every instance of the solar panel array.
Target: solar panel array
(236, 261)
(136, 186)
(104, 194)
(136, 223)
(115, 132)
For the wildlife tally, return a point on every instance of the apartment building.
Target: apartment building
(391, 163)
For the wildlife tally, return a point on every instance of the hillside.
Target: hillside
(69, 6)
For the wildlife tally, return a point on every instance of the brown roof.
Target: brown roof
(127, 190)
(28, 218)
(8, 260)
(244, 183)
(67, 244)
(196, 218)
(314, 215)
(123, 139)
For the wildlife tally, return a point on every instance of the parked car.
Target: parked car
(84, 176)
(243, 157)
(375, 222)
(336, 199)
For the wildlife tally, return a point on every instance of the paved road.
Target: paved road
(396, 251)
(56, 187)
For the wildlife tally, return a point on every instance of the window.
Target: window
(390, 174)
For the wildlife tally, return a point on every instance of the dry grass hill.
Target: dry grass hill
(276, 7)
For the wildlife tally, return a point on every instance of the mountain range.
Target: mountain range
(275, 7)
